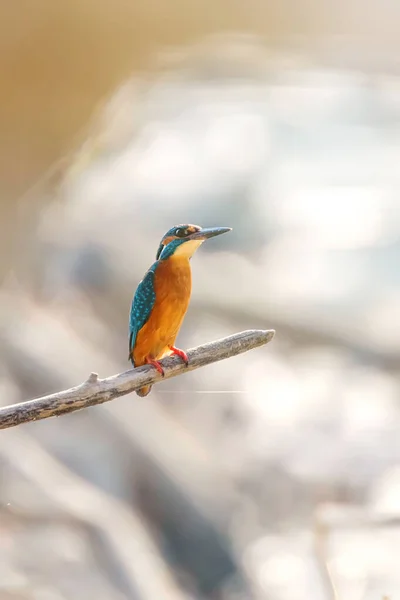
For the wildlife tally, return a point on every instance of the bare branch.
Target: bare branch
(96, 391)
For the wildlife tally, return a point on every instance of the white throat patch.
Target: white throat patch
(187, 249)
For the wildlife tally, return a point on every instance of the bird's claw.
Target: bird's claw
(180, 353)
(156, 364)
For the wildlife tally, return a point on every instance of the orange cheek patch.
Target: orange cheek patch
(169, 239)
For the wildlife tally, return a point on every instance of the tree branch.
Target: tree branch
(96, 391)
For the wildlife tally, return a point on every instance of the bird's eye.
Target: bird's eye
(181, 232)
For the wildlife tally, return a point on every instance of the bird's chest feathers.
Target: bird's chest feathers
(173, 283)
(172, 288)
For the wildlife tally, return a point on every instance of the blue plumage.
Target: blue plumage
(142, 305)
(167, 251)
(179, 233)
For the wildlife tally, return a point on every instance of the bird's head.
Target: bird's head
(183, 240)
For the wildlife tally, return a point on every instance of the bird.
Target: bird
(162, 298)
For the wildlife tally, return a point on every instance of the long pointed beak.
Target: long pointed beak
(209, 232)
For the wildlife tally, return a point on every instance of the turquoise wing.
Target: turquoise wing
(142, 305)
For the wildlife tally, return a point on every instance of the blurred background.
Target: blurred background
(271, 475)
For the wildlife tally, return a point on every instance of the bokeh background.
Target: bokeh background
(271, 475)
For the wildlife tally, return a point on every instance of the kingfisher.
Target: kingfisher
(162, 298)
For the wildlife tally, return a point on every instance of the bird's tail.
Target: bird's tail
(145, 390)
(142, 392)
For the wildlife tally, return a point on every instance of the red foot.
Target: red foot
(180, 353)
(156, 364)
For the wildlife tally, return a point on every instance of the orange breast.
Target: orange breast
(173, 286)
